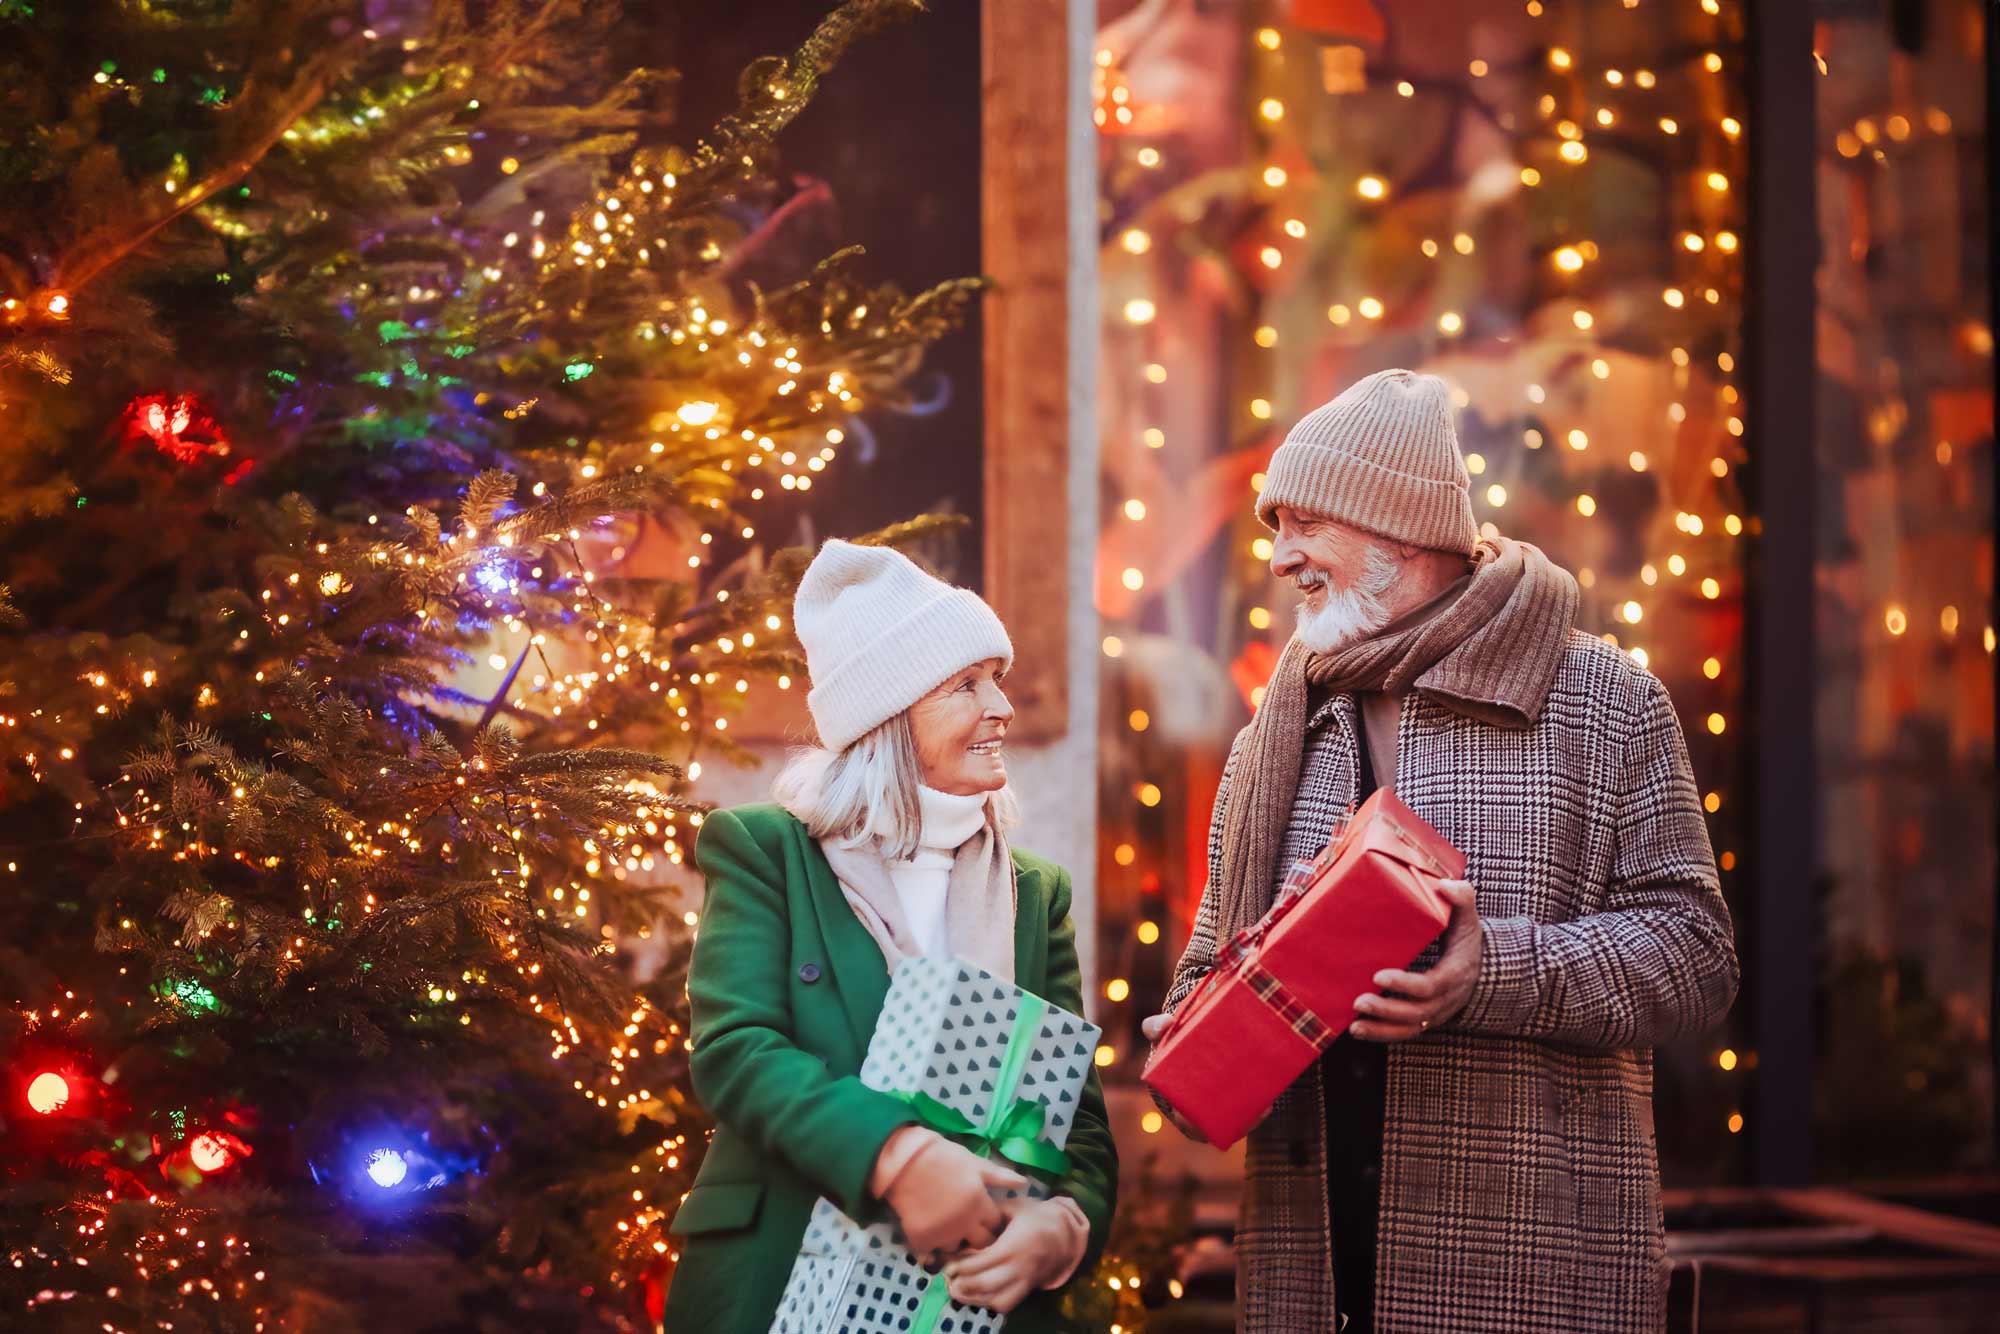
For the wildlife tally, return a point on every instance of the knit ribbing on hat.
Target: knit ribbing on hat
(1384, 457)
(879, 634)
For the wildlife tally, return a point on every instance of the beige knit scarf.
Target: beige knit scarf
(1487, 648)
(978, 906)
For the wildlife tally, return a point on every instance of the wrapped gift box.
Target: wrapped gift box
(1285, 988)
(977, 1056)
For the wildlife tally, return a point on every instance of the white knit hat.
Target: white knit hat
(880, 634)
(1384, 457)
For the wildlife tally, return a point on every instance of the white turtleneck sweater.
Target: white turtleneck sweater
(948, 820)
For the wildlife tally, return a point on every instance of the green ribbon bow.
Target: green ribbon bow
(1015, 1129)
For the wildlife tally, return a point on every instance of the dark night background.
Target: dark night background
(894, 133)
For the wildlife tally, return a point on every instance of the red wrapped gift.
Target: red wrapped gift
(1284, 989)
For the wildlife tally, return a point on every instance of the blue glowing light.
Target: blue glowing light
(387, 1168)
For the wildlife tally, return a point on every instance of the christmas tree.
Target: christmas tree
(389, 393)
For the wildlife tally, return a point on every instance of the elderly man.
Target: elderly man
(1477, 1152)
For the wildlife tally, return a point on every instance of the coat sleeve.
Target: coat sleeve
(1660, 960)
(1199, 956)
(747, 1068)
(1093, 1174)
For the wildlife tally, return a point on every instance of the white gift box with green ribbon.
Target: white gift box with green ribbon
(992, 1066)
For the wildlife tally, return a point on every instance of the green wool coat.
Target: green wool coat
(785, 986)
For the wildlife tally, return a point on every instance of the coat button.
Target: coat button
(808, 973)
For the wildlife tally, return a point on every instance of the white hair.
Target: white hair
(868, 791)
(1354, 612)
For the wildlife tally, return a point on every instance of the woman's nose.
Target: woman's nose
(998, 707)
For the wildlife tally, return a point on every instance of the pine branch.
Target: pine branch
(94, 257)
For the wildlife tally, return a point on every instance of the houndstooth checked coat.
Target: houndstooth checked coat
(1520, 1182)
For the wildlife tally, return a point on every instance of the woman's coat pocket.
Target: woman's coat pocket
(723, 1207)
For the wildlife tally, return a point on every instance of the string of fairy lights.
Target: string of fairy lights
(1681, 115)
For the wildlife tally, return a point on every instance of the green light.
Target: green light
(189, 994)
(159, 76)
(578, 370)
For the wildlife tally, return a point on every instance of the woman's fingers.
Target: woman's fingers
(995, 1293)
(994, 1175)
(977, 1264)
(982, 1236)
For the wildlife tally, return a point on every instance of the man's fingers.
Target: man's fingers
(1186, 1127)
(1154, 1025)
(1387, 1009)
(1464, 902)
(1369, 1030)
(1421, 986)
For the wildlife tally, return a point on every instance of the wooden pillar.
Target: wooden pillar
(1025, 205)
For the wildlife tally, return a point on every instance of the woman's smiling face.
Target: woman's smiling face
(959, 728)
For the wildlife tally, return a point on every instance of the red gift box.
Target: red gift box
(1284, 989)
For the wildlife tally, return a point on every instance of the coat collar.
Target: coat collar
(855, 962)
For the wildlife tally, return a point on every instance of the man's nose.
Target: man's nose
(1286, 559)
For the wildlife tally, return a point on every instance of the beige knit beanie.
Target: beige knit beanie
(1384, 457)
(880, 634)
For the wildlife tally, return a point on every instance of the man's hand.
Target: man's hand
(1414, 1003)
(1151, 1027)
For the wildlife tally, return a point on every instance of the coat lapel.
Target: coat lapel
(853, 959)
(1031, 936)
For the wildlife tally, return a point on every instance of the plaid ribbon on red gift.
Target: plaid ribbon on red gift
(1237, 957)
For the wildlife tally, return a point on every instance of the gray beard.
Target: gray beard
(1353, 613)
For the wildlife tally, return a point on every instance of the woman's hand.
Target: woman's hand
(1041, 1247)
(941, 1198)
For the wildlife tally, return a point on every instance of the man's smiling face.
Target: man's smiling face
(1344, 576)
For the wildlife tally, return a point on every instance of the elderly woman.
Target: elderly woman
(887, 842)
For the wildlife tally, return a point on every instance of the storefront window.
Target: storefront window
(1544, 206)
